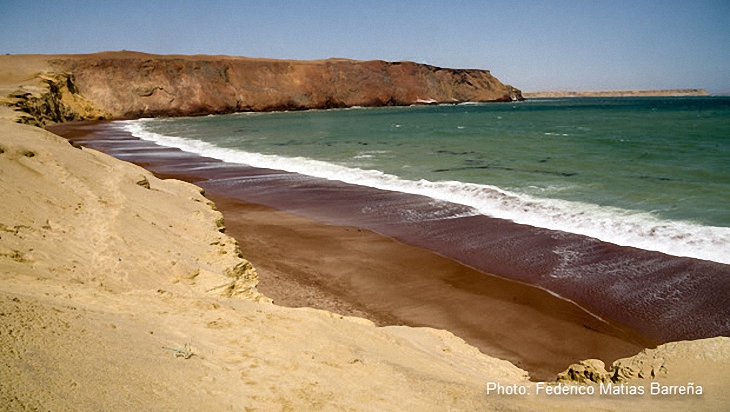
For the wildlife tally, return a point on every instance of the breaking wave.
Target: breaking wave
(610, 224)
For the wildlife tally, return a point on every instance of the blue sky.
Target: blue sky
(533, 45)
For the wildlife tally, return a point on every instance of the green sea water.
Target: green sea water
(643, 172)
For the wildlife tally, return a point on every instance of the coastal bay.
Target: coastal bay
(172, 338)
(355, 271)
(431, 290)
(95, 249)
(663, 294)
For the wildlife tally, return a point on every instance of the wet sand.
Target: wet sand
(357, 272)
(324, 252)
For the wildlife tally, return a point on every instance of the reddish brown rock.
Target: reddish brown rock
(130, 85)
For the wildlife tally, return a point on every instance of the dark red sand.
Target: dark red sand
(329, 252)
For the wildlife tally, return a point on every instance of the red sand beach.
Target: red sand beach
(355, 271)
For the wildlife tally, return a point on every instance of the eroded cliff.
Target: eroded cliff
(131, 85)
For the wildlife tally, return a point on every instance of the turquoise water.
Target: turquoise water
(646, 172)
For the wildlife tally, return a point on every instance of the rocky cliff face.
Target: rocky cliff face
(114, 85)
(58, 101)
(129, 85)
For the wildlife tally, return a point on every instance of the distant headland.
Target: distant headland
(117, 85)
(616, 93)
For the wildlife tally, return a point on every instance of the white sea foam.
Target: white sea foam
(619, 226)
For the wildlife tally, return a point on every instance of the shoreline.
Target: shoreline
(119, 292)
(306, 262)
(665, 298)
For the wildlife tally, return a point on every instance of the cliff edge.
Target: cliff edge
(114, 85)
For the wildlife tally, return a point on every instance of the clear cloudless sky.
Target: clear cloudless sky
(533, 45)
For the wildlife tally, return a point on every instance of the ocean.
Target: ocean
(618, 207)
(649, 173)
